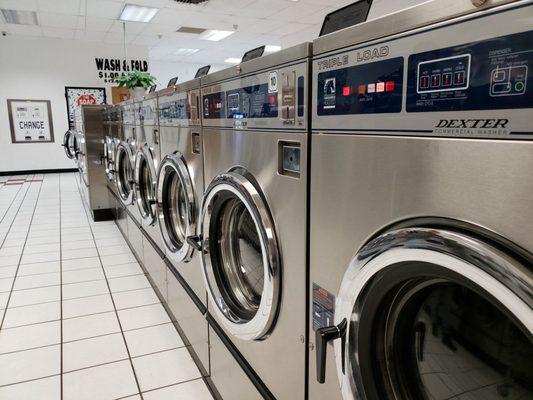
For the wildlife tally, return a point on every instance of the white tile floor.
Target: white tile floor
(79, 320)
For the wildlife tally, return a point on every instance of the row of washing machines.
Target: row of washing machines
(349, 219)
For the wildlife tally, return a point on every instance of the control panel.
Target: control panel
(171, 110)
(248, 102)
(148, 112)
(362, 89)
(484, 75)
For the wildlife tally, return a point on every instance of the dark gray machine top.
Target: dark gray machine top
(424, 14)
(270, 61)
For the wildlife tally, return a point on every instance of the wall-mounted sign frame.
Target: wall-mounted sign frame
(30, 121)
(78, 96)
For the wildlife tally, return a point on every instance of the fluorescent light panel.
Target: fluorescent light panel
(134, 13)
(20, 17)
(232, 60)
(186, 52)
(270, 48)
(215, 35)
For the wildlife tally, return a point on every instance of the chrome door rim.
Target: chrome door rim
(66, 144)
(175, 163)
(125, 196)
(146, 154)
(438, 247)
(261, 324)
(109, 157)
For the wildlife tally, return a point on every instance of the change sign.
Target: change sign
(30, 121)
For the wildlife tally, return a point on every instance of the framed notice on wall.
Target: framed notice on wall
(30, 121)
(79, 96)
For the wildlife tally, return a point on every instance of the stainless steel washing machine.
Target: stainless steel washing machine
(147, 162)
(421, 278)
(252, 231)
(125, 177)
(180, 188)
(113, 121)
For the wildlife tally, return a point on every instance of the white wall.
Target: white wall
(38, 68)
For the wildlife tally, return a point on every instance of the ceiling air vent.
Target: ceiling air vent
(190, 29)
(191, 1)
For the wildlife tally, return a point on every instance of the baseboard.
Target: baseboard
(38, 171)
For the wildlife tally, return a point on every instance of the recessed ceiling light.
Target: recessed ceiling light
(214, 35)
(270, 48)
(20, 17)
(232, 60)
(186, 52)
(134, 13)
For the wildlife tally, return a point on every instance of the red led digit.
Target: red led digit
(346, 90)
(389, 86)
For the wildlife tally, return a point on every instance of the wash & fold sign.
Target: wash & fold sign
(109, 68)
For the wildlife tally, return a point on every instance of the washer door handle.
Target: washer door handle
(196, 242)
(323, 336)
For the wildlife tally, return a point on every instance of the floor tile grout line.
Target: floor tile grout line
(116, 312)
(18, 266)
(29, 380)
(10, 205)
(88, 315)
(16, 213)
(167, 386)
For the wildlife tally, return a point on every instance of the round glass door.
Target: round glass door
(146, 184)
(109, 157)
(435, 315)
(240, 258)
(67, 140)
(124, 177)
(176, 206)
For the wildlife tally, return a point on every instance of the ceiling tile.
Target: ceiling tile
(131, 27)
(25, 30)
(61, 33)
(95, 24)
(59, 6)
(58, 20)
(90, 36)
(104, 8)
(264, 8)
(172, 17)
(28, 5)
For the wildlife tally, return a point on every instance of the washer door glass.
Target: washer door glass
(146, 184)
(176, 205)
(430, 320)
(241, 260)
(67, 143)
(124, 180)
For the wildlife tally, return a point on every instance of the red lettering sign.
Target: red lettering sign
(85, 99)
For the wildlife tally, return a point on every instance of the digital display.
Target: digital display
(362, 89)
(174, 110)
(445, 74)
(484, 75)
(249, 102)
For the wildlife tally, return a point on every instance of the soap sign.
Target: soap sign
(81, 96)
(110, 68)
(30, 121)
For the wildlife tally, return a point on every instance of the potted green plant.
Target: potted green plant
(137, 82)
